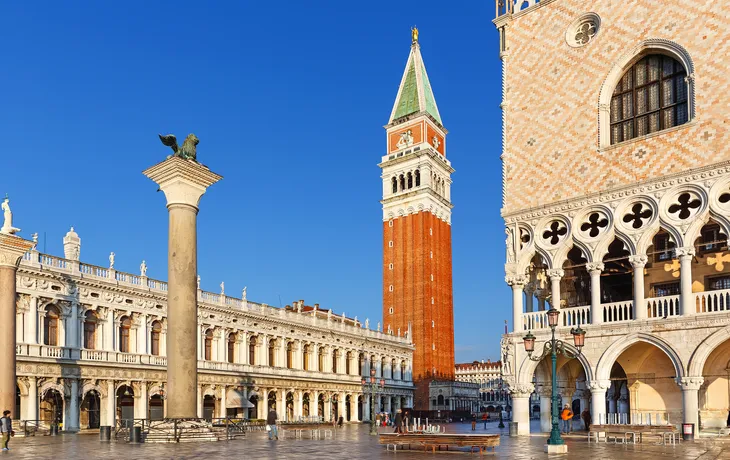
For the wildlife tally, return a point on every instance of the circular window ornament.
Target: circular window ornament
(583, 30)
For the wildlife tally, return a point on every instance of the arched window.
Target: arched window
(393, 369)
(382, 368)
(272, 353)
(305, 357)
(289, 355)
(395, 185)
(155, 338)
(231, 347)
(335, 354)
(125, 324)
(402, 183)
(50, 326)
(320, 359)
(402, 370)
(418, 178)
(209, 344)
(410, 180)
(252, 350)
(651, 96)
(90, 330)
(348, 357)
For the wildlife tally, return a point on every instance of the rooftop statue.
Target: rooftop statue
(187, 151)
(7, 227)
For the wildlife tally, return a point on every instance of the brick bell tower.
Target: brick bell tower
(417, 289)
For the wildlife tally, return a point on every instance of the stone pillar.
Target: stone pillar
(555, 275)
(598, 400)
(521, 407)
(142, 335)
(72, 419)
(262, 403)
(223, 408)
(31, 333)
(109, 330)
(366, 408)
(541, 295)
(298, 404)
(314, 404)
(595, 269)
(183, 182)
(281, 404)
(73, 326)
(530, 297)
(517, 282)
(545, 406)
(690, 400)
(12, 249)
(353, 408)
(638, 263)
(200, 401)
(686, 299)
(142, 409)
(31, 411)
(327, 416)
(111, 404)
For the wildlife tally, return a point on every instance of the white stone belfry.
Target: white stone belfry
(72, 245)
(183, 182)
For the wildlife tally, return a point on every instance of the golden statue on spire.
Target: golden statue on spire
(414, 34)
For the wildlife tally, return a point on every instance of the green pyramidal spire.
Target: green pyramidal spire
(415, 94)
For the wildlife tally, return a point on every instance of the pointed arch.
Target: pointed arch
(612, 353)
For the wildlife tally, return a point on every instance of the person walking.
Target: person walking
(406, 422)
(377, 419)
(586, 416)
(398, 422)
(567, 416)
(271, 425)
(6, 428)
(484, 419)
(474, 423)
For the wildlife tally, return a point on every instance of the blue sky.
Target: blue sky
(289, 100)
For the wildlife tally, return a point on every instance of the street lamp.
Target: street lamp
(371, 385)
(555, 347)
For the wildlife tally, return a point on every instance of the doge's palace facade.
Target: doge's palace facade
(91, 346)
(616, 199)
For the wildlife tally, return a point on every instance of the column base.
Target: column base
(556, 449)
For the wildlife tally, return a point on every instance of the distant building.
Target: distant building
(493, 395)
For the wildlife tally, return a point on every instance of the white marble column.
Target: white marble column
(223, 407)
(142, 336)
(72, 421)
(262, 409)
(73, 326)
(298, 404)
(183, 182)
(366, 408)
(595, 269)
(530, 297)
(690, 400)
(555, 275)
(142, 410)
(281, 403)
(31, 333)
(109, 330)
(327, 409)
(521, 407)
(638, 263)
(314, 404)
(545, 406)
(686, 298)
(517, 282)
(31, 411)
(111, 404)
(598, 400)
(200, 401)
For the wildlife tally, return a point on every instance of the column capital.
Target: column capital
(554, 273)
(182, 181)
(516, 280)
(690, 383)
(686, 252)
(522, 390)
(599, 385)
(638, 261)
(12, 249)
(595, 267)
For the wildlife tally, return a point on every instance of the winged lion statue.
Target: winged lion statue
(187, 151)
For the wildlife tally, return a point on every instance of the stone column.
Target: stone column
(223, 408)
(31, 412)
(281, 404)
(31, 334)
(521, 407)
(353, 408)
(638, 263)
(111, 404)
(327, 416)
(109, 330)
(183, 182)
(517, 282)
(298, 404)
(555, 275)
(541, 295)
(200, 401)
(598, 400)
(366, 408)
(314, 404)
(686, 299)
(545, 406)
(12, 249)
(530, 297)
(595, 269)
(142, 336)
(263, 402)
(72, 420)
(690, 399)
(73, 326)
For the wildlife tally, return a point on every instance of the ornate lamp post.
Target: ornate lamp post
(555, 347)
(371, 386)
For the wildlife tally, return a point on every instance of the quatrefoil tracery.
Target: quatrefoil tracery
(555, 232)
(595, 225)
(685, 206)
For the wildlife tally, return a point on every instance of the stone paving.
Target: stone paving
(351, 442)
